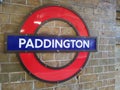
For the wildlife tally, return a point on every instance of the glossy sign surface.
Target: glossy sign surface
(49, 43)
(31, 62)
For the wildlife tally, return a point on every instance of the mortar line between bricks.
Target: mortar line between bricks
(102, 65)
(107, 86)
(19, 4)
(18, 82)
(99, 73)
(33, 85)
(41, 2)
(11, 14)
(96, 66)
(101, 58)
(104, 58)
(51, 60)
(0, 67)
(10, 62)
(26, 2)
(17, 72)
(0, 86)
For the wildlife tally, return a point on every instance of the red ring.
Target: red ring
(30, 61)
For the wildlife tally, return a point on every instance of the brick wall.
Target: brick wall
(117, 66)
(100, 70)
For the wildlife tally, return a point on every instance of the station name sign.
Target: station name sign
(28, 43)
(18, 43)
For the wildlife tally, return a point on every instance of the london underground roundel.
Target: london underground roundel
(29, 59)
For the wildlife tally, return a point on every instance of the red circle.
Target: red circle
(30, 61)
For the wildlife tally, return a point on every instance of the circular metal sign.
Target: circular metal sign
(29, 59)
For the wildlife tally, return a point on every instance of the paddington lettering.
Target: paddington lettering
(53, 43)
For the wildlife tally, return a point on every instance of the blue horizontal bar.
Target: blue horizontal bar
(22, 43)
